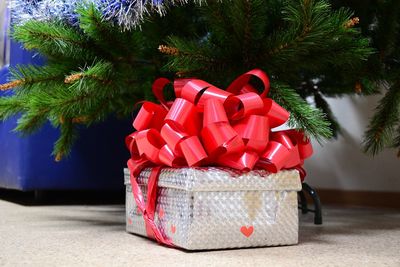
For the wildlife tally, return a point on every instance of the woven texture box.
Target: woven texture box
(216, 208)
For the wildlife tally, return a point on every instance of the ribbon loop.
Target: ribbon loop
(277, 115)
(213, 93)
(193, 90)
(193, 151)
(183, 115)
(255, 132)
(214, 112)
(218, 136)
(169, 158)
(172, 136)
(243, 105)
(241, 84)
(150, 116)
(149, 143)
(243, 162)
(179, 84)
(158, 90)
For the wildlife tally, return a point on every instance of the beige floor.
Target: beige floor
(94, 236)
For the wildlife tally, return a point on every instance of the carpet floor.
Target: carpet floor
(94, 235)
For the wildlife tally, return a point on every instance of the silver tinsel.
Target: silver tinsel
(130, 13)
(127, 14)
(44, 10)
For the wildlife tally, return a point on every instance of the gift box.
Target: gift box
(208, 172)
(216, 208)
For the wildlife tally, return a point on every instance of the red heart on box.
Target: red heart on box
(247, 231)
(161, 213)
(129, 221)
(173, 229)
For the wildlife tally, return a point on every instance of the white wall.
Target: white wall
(340, 164)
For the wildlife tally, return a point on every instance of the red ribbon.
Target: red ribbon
(207, 126)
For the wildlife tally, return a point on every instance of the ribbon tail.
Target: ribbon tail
(148, 209)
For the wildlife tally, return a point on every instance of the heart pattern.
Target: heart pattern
(161, 213)
(138, 210)
(247, 231)
(173, 228)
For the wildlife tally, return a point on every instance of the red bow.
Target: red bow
(206, 126)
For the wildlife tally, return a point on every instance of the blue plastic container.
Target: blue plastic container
(26, 163)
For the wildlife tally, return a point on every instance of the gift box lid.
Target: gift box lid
(221, 179)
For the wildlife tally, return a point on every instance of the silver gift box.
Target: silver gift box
(216, 208)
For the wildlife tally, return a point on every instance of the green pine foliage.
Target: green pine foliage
(91, 72)
(53, 39)
(302, 115)
(96, 70)
(301, 44)
(382, 127)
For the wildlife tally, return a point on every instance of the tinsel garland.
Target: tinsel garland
(127, 14)
(44, 10)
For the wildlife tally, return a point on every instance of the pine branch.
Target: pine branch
(303, 116)
(11, 85)
(68, 136)
(312, 29)
(31, 121)
(100, 72)
(168, 50)
(248, 25)
(321, 104)
(337, 86)
(112, 43)
(189, 51)
(247, 32)
(124, 47)
(53, 39)
(388, 28)
(381, 129)
(352, 22)
(308, 36)
(396, 143)
(10, 106)
(89, 96)
(30, 77)
(298, 15)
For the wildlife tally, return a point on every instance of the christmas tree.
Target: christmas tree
(102, 57)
